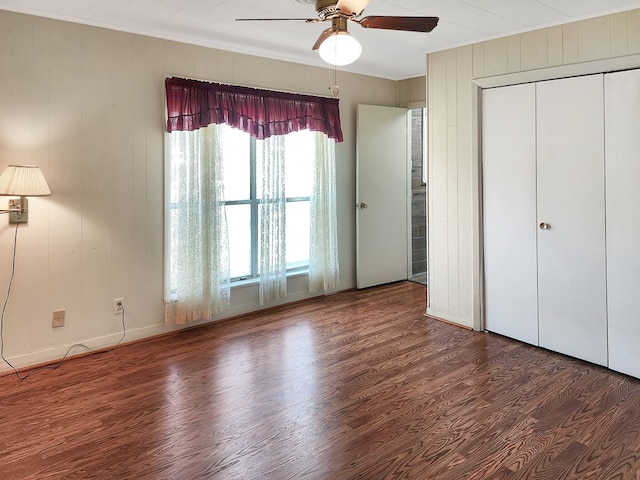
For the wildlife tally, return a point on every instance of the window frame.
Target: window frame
(254, 202)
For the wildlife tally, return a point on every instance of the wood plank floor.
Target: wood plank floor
(358, 385)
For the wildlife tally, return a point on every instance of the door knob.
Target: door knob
(545, 226)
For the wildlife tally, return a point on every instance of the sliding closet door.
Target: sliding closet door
(509, 186)
(571, 222)
(622, 93)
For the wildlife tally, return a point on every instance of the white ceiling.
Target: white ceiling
(386, 54)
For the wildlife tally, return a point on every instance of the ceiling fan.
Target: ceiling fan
(340, 12)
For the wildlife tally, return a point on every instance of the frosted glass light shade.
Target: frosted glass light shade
(340, 49)
(23, 180)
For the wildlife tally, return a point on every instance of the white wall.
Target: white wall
(412, 92)
(599, 44)
(87, 105)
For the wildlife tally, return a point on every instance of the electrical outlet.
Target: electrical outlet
(58, 319)
(118, 306)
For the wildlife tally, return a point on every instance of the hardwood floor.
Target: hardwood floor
(358, 385)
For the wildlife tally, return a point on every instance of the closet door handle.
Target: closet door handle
(545, 226)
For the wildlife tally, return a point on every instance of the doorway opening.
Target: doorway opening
(418, 251)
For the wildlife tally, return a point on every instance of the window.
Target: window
(250, 192)
(242, 166)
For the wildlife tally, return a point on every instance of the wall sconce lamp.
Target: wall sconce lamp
(23, 181)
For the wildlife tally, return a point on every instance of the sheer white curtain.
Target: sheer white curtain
(272, 220)
(323, 245)
(197, 257)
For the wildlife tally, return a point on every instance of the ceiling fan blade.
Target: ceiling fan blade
(308, 20)
(351, 7)
(323, 36)
(410, 24)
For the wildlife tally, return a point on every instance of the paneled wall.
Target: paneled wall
(449, 185)
(454, 187)
(87, 105)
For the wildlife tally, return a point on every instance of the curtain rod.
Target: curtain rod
(250, 86)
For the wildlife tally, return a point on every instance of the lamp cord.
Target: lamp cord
(50, 366)
(6, 300)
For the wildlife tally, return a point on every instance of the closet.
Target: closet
(622, 153)
(558, 171)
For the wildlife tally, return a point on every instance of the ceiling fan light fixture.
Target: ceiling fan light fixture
(340, 49)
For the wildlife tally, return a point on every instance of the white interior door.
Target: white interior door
(571, 252)
(509, 220)
(381, 195)
(622, 93)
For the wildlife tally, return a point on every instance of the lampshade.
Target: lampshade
(23, 180)
(340, 49)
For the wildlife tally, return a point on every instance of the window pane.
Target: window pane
(259, 164)
(239, 225)
(236, 156)
(300, 150)
(297, 234)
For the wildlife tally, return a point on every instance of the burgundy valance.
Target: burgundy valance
(193, 104)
